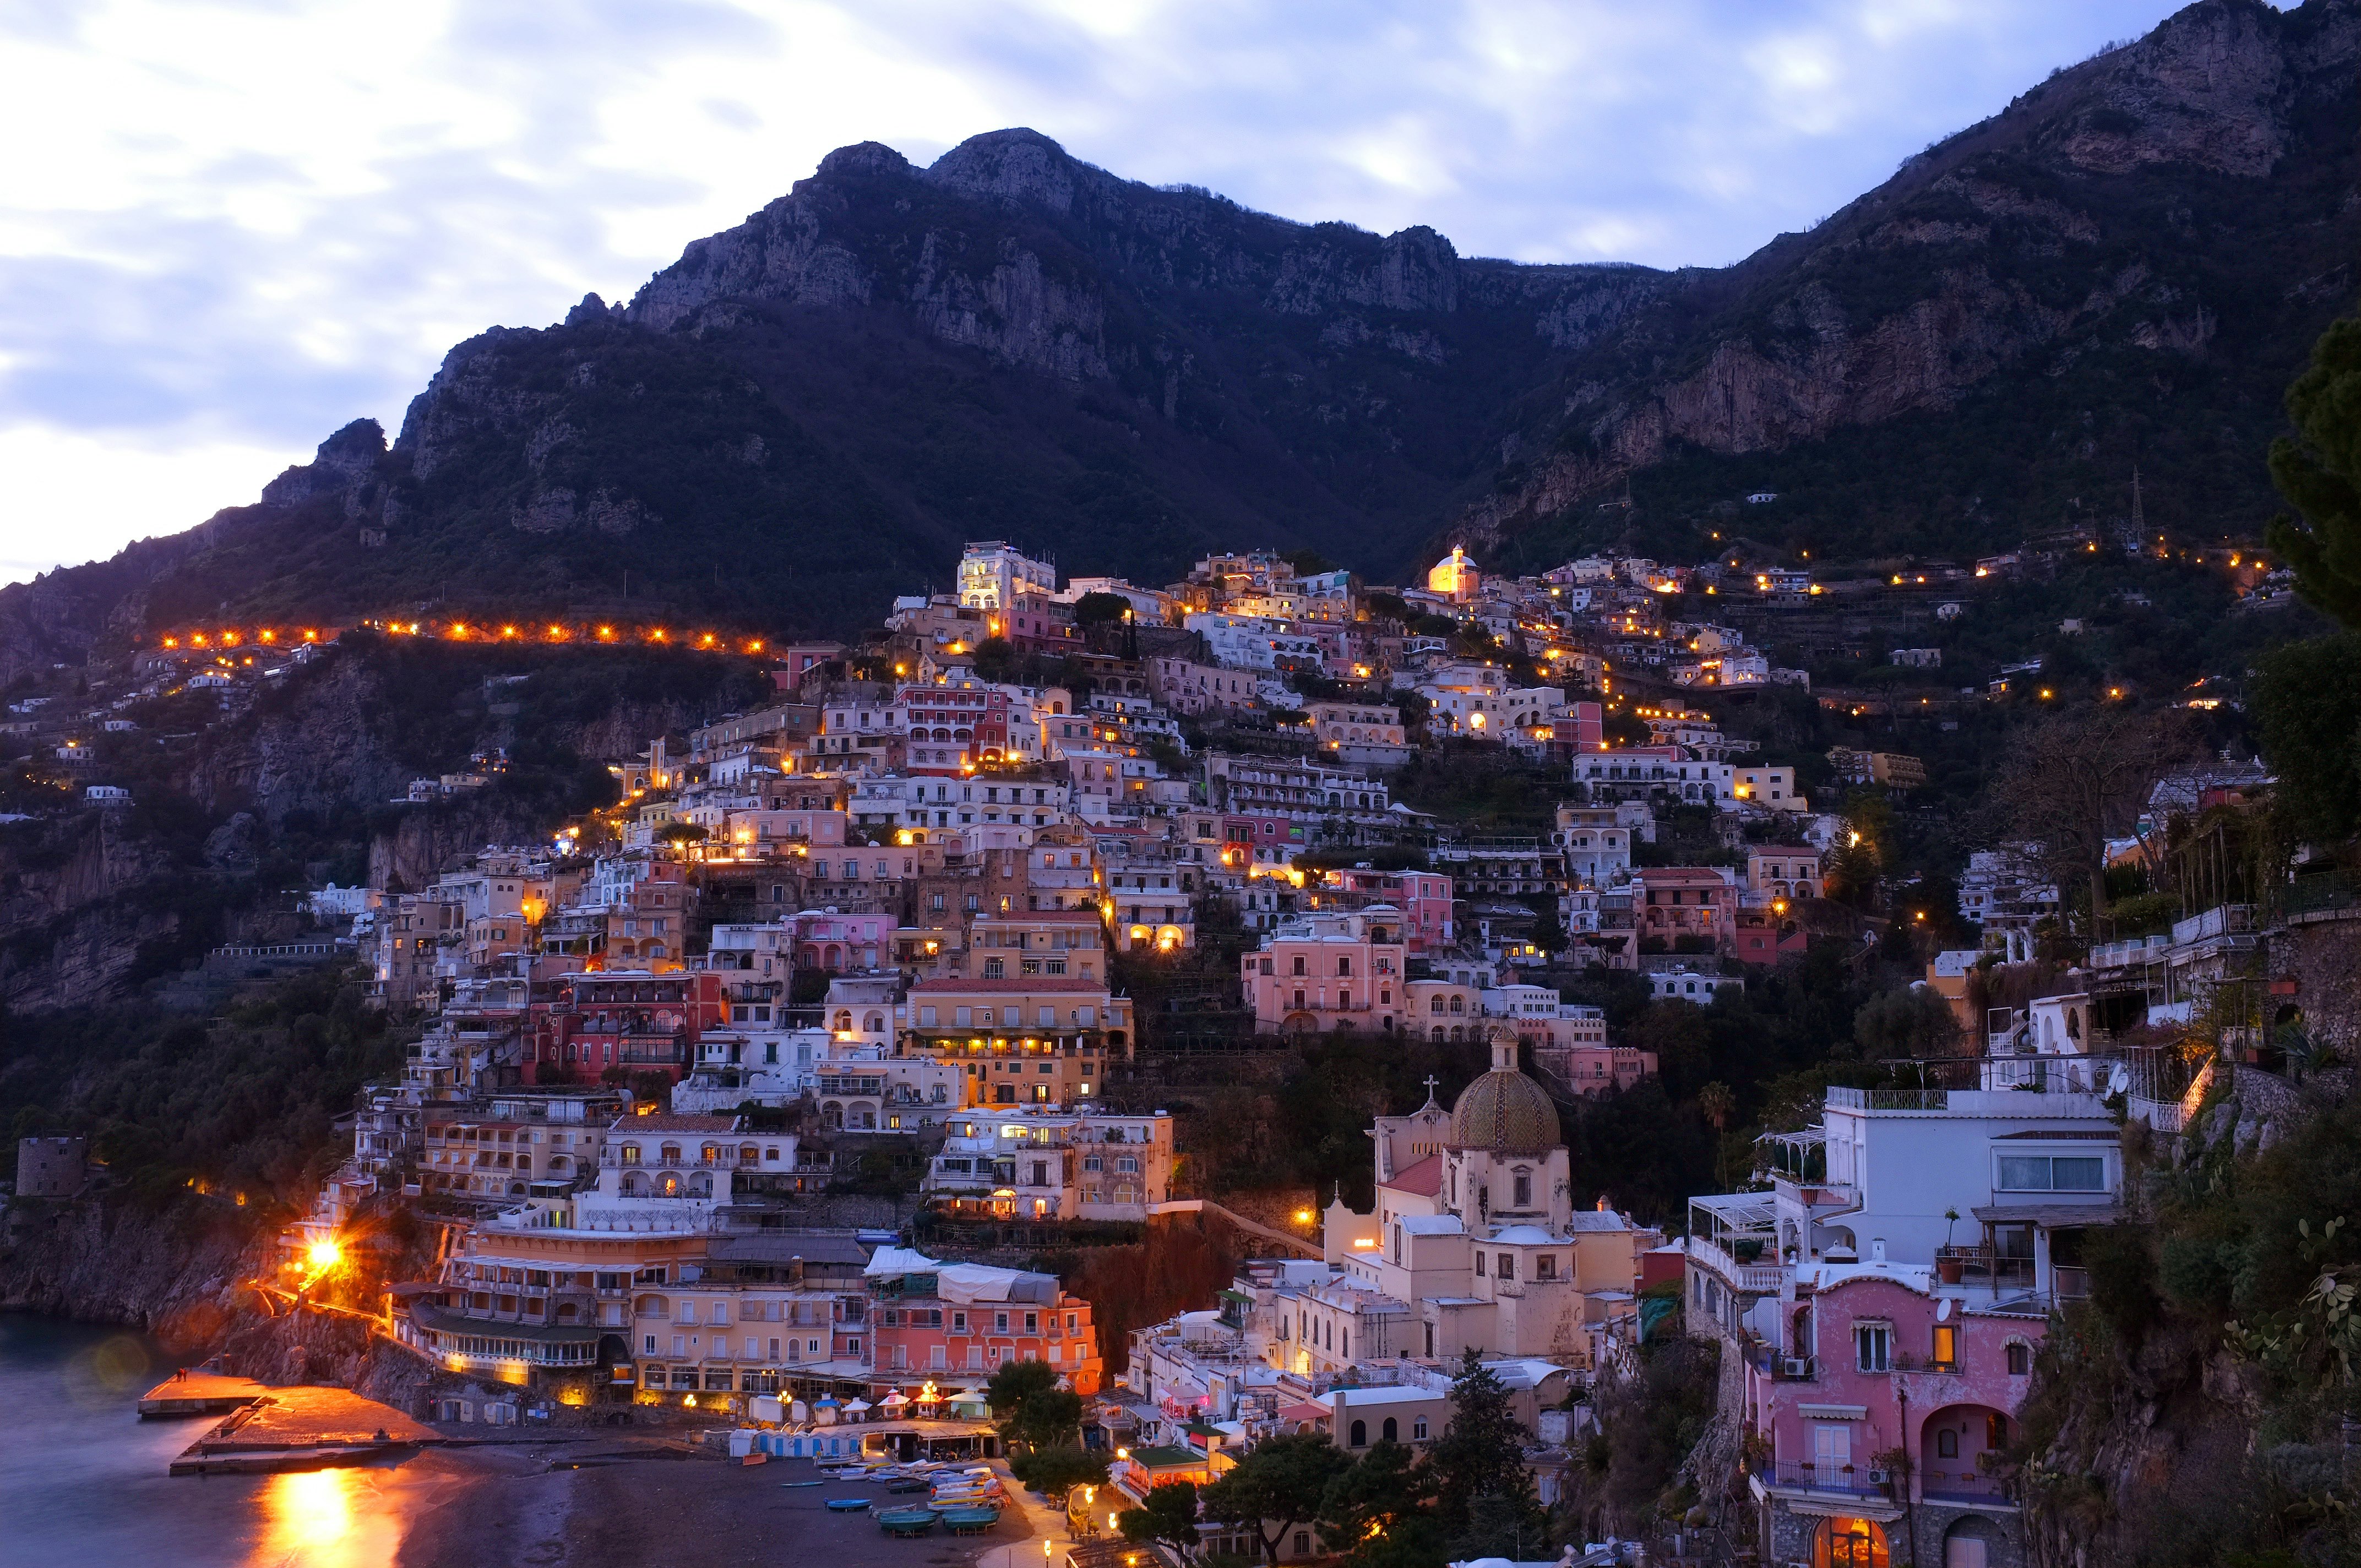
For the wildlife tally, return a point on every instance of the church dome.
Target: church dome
(1504, 1111)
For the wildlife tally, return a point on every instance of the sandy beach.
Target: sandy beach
(605, 1502)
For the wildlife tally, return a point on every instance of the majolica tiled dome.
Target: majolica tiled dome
(1504, 1111)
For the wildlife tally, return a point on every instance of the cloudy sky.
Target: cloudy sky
(225, 229)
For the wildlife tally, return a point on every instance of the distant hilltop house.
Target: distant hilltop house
(1761, 498)
(1917, 658)
(106, 795)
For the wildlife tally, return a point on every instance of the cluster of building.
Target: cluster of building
(1473, 1243)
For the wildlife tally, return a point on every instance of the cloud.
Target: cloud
(231, 227)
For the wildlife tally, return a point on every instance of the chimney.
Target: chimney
(1877, 1251)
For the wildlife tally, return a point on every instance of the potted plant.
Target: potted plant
(1949, 1267)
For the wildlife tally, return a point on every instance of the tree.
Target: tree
(1481, 1455)
(1058, 1470)
(1380, 1512)
(1717, 1105)
(1029, 1407)
(1277, 1486)
(1912, 1021)
(2319, 471)
(2307, 708)
(1101, 608)
(679, 833)
(2078, 780)
(1171, 1516)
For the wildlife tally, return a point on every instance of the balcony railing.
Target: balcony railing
(1845, 1480)
(1956, 1485)
(1768, 1279)
(1982, 1265)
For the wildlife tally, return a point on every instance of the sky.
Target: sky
(228, 229)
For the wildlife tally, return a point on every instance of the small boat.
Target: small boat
(848, 1504)
(907, 1521)
(799, 1483)
(970, 1521)
(910, 1484)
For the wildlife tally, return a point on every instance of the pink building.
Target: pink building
(1588, 1067)
(1423, 898)
(1330, 971)
(1882, 1364)
(964, 1319)
(1672, 901)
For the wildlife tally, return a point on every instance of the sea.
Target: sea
(83, 1481)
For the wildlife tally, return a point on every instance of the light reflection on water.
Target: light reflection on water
(82, 1479)
(326, 1519)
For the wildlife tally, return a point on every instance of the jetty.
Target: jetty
(302, 1429)
(199, 1393)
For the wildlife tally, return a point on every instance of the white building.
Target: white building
(1045, 1163)
(993, 573)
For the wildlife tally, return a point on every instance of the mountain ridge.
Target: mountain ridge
(812, 408)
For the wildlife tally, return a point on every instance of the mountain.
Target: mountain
(812, 411)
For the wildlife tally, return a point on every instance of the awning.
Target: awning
(2048, 1216)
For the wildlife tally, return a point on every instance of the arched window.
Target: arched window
(1438, 1005)
(1458, 1004)
(1438, 1033)
(1360, 1434)
(670, 1154)
(1387, 1431)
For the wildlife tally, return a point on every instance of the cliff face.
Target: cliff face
(810, 410)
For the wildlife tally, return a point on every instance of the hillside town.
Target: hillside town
(882, 933)
(770, 1094)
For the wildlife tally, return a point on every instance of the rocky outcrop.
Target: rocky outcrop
(175, 1272)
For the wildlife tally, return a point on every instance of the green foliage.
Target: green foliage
(1278, 1484)
(1380, 1513)
(1100, 609)
(1647, 1423)
(247, 1103)
(1170, 1515)
(2307, 710)
(1029, 1407)
(2319, 470)
(1059, 1469)
(1914, 1022)
(1480, 1460)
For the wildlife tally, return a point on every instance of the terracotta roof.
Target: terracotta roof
(1006, 987)
(1425, 1178)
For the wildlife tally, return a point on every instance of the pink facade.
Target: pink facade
(1591, 1068)
(1423, 897)
(1341, 972)
(920, 1334)
(1878, 1359)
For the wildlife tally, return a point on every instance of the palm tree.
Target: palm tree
(1718, 1104)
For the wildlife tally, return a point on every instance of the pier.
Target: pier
(301, 1429)
(191, 1393)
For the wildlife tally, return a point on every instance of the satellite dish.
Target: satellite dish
(2120, 1080)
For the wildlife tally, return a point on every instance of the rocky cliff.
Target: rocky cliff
(811, 411)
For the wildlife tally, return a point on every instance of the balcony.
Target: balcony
(1981, 1266)
(1763, 1278)
(1846, 1480)
(1779, 1366)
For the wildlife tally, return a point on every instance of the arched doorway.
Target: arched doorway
(1952, 1444)
(1972, 1542)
